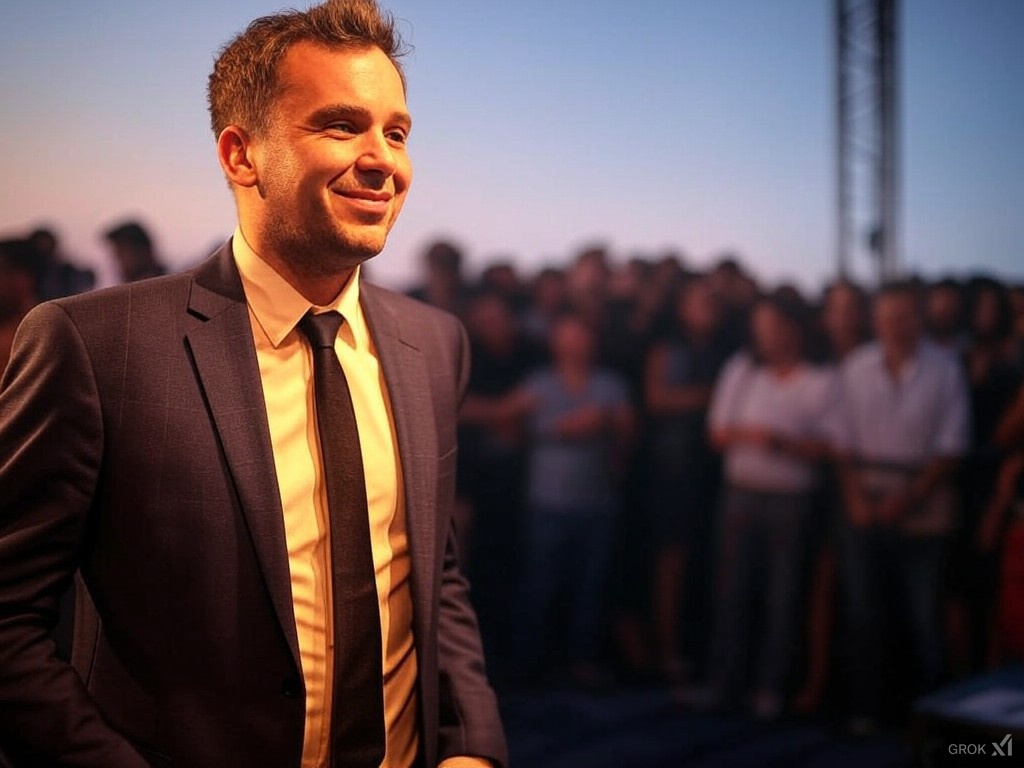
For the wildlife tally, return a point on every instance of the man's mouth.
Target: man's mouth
(367, 201)
(366, 194)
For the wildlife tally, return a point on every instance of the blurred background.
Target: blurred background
(694, 126)
(741, 467)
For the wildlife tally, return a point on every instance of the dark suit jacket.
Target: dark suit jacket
(134, 446)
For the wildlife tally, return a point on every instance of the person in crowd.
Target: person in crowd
(901, 427)
(683, 472)
(501, 278)
(993, 378)
(765, 417)
(843, 325)
(132, 250)
(630, 319)
(1000, 538)
(251, 465)
(944, 315)
(547, 300)
(1017, 302)
(491, 468)
(1009, 434)
(587, 283)
(59, 277)
(738, 292)
(579, 425)
(445, 287)
(845, 319)
(20, 275)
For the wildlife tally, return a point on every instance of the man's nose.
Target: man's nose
(377, 155)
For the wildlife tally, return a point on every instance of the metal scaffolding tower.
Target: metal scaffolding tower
(867, 136)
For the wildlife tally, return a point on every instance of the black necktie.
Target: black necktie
(357, 726)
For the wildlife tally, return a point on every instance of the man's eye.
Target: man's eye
(399, 137)
(342, 127)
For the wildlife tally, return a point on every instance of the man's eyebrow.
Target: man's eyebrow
(332, 112)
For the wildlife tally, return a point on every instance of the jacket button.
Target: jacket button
(291, 688)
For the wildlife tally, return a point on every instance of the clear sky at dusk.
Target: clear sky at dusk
(698, 125)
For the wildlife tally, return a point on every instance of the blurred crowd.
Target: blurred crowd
(766, 500)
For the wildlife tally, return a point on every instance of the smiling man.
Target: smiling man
(250, 465)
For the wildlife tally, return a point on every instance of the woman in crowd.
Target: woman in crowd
(684, 471)
(843, 327)
(765, 417)
(993, 379)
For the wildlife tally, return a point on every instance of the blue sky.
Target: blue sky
(698, 125)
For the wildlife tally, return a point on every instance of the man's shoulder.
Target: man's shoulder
(143, 296)
(116, 307)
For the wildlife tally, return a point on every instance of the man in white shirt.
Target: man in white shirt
(899, 431)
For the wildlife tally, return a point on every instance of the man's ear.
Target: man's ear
(235, 152)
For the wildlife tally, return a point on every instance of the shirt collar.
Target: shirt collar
(278, 307)
(910, 366)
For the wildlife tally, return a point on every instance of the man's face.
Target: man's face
(572, 342)
(944, 308)
(897, 324)
(332, 167)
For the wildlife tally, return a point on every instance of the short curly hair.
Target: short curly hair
(244, 81)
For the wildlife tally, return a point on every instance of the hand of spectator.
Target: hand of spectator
(757, 437)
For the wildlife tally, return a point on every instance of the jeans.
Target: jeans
(879, 564)
(759, 564)
(567, 552)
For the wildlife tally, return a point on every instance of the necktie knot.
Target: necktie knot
(321, 330)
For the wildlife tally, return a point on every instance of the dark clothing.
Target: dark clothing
(136, 447)
(491, 476)
(567, 556)
(684, 470)
(883, 569)
(759, 567)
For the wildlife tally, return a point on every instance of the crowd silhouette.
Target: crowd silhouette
(765, 500)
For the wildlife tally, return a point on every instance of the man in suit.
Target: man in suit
(259, 508)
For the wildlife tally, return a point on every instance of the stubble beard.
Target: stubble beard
(318, 249)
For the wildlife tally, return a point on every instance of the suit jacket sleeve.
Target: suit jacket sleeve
(469, 720)
(51, 446)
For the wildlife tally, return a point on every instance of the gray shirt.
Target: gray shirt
(570, 474)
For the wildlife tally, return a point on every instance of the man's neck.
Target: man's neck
(897, 359)
(319, 290)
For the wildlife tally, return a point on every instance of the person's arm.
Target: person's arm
(950, 443)
(858, 510)
(664, 399)
(470, 734)
(724, 431)
(994, 517)
(51, 446)
(805, 448)
(1010, 432)
(823, 403)
(900, 505)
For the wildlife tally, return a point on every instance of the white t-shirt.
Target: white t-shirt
(794, 406)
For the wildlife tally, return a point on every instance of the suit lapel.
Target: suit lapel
(225, 359)
(408, 384)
